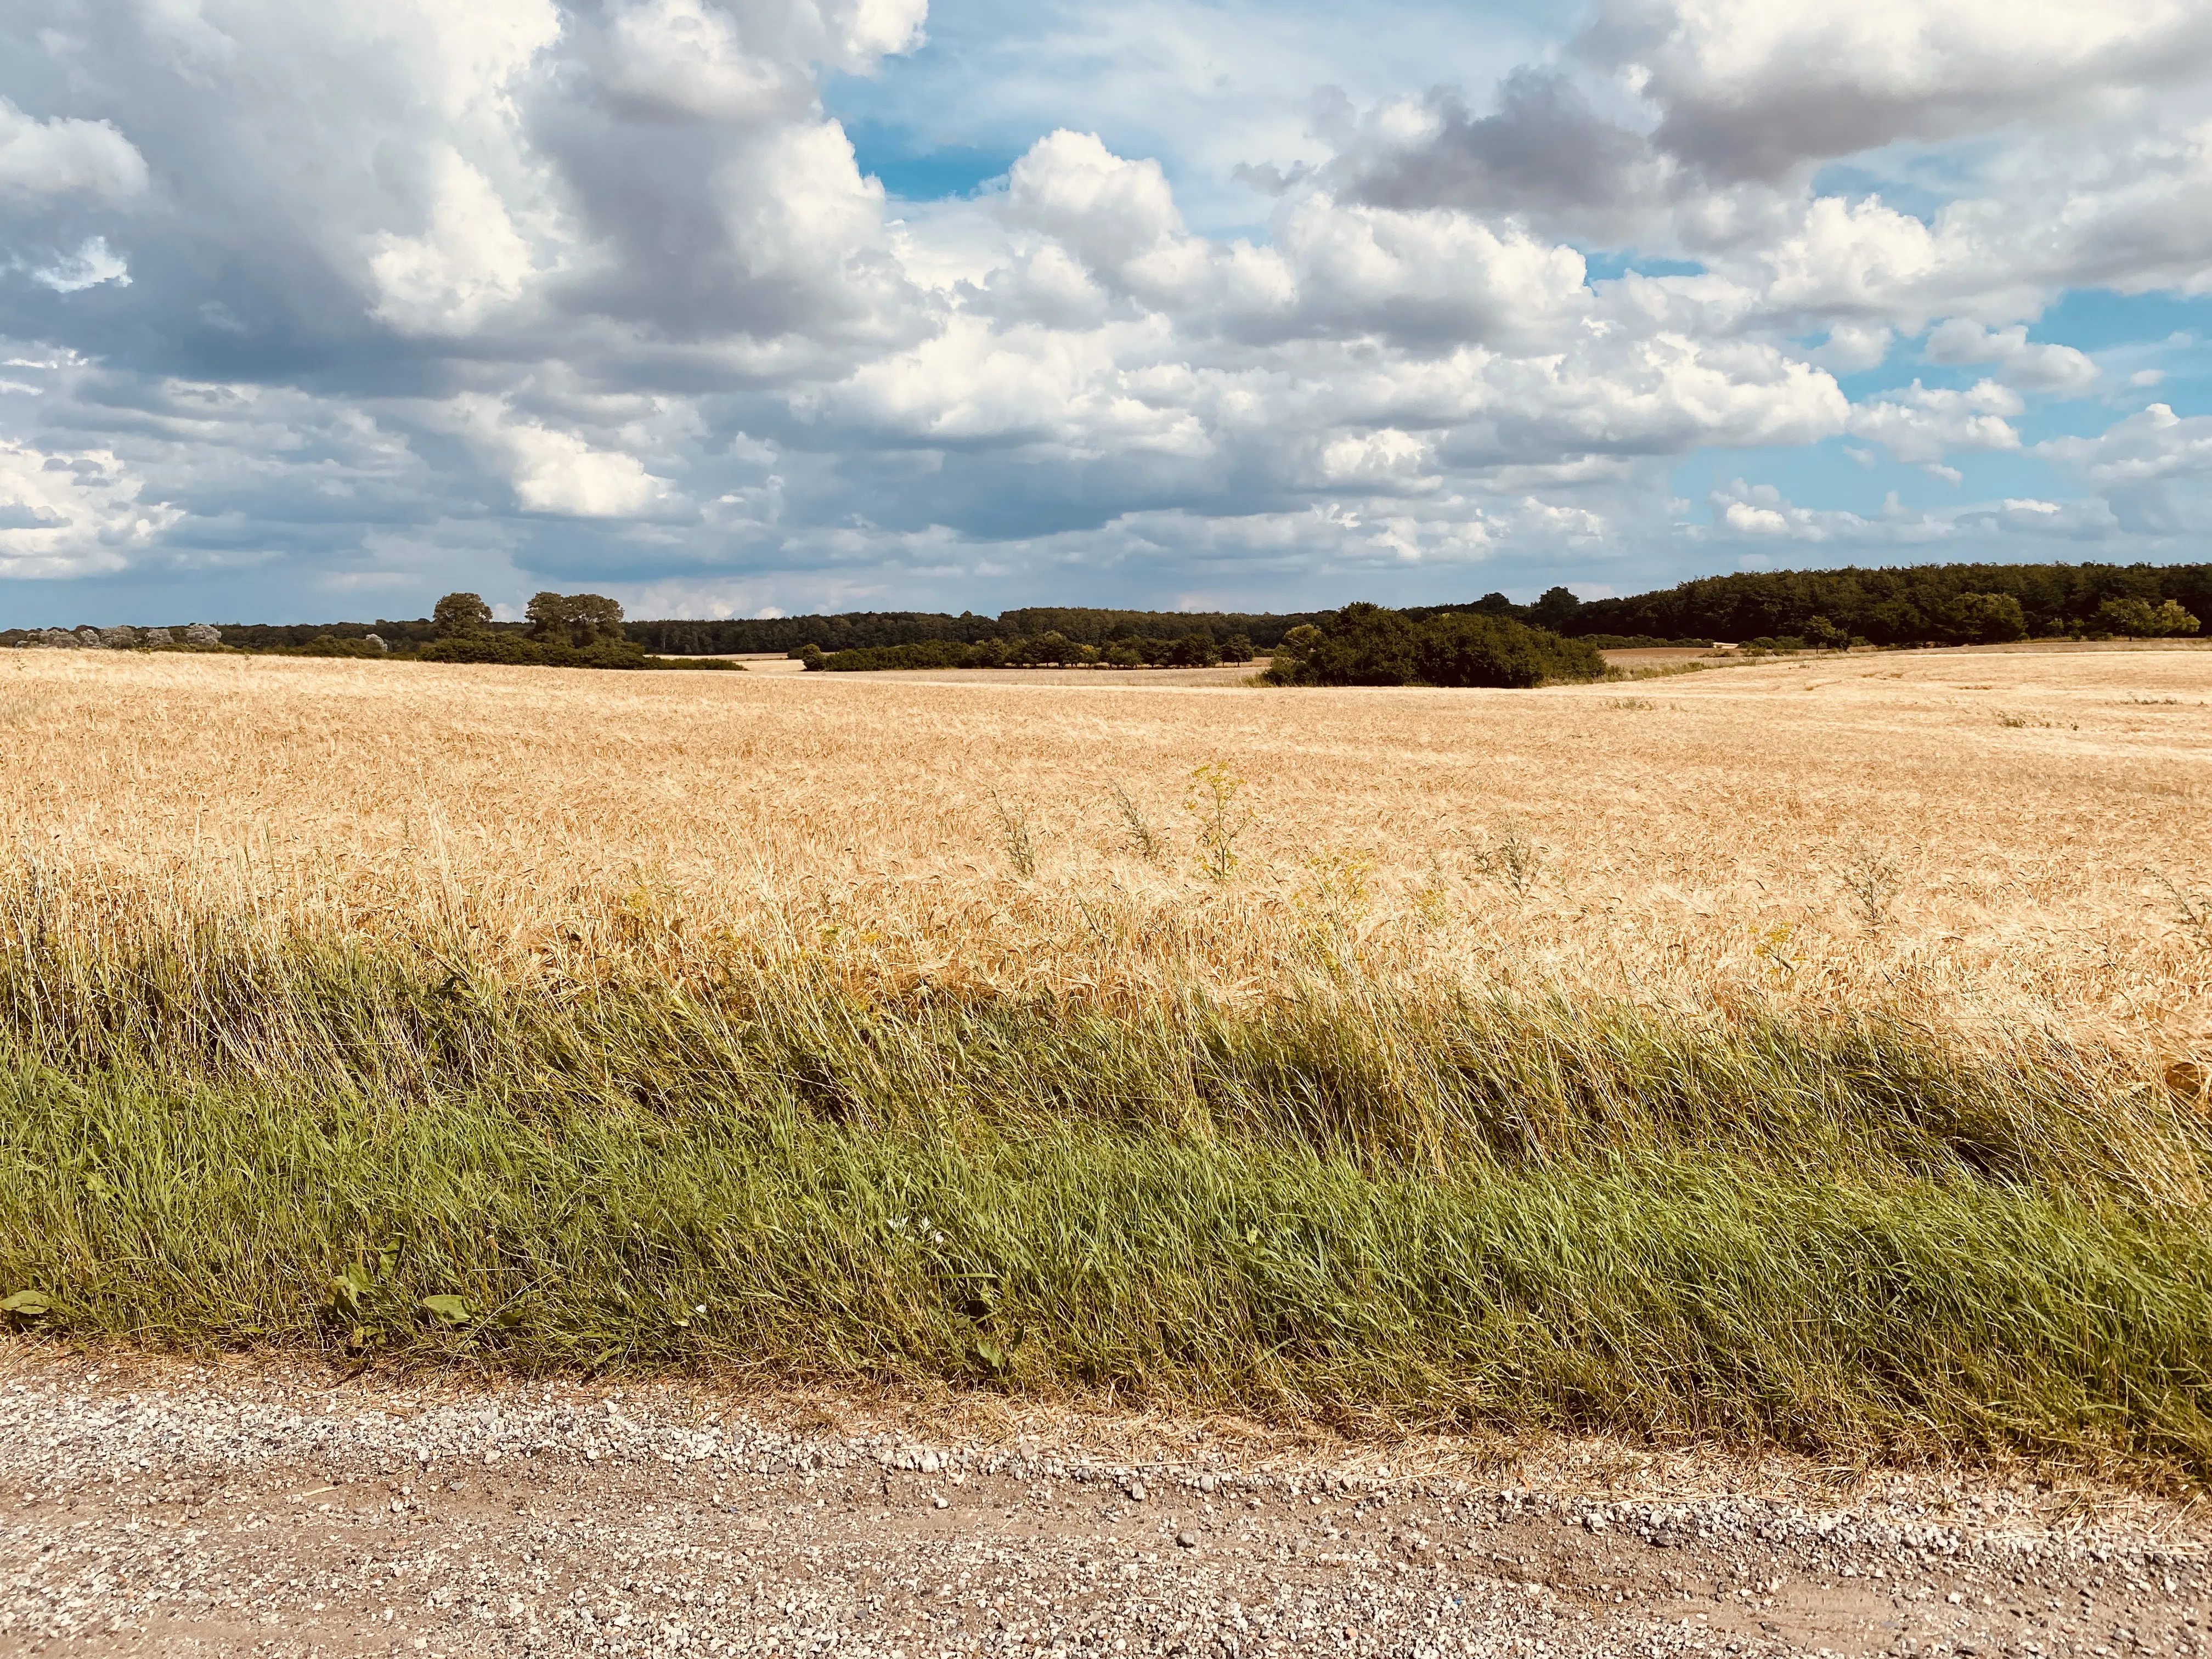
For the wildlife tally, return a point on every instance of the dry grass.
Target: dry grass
(1977, 840)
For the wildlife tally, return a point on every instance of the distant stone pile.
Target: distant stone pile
(125, 638)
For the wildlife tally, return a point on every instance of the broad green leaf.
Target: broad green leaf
(448, 1309)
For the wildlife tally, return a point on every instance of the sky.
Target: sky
(745, 308)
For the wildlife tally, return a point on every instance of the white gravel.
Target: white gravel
(171, 1510)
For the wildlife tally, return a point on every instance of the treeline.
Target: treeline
(521, 651)
(1050, 650)
(398, 635)
(868, 630)
(563, 630)
(1920, 605)
(559, 630)
(1359, 645)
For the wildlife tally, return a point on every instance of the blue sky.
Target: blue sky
(734, 306)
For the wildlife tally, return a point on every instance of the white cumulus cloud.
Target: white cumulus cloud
(610, 292)
(64, 155)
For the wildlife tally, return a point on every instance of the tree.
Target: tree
(1555, 608)
(548, 615)
(1981, 619)
(2139, 619)
(1046, 648)
(2172, 619)
(575, 619)
(1194, 650)
(458, 614)
(1823, 635)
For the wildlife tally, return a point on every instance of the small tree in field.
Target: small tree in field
(460, 614)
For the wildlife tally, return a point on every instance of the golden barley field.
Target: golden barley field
(1804, 1051)
(1985, 840)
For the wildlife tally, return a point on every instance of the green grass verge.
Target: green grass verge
(1841, 1237)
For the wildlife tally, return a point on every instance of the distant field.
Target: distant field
(1810, 1050)
(1696, 837)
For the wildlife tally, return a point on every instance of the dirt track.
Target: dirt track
(177, 1510)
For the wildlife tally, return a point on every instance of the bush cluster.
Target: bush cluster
(1366, 645)
(1643, 642)
(521, 651)
(330, 645)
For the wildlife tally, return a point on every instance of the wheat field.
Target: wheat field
(1810, 1052)
(1987, 841)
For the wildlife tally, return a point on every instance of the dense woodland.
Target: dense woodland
(1050, 650)
(1921, 604)
(870, 629)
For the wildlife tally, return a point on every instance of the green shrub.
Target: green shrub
(930, 653)
(512, 648)
(330, 645)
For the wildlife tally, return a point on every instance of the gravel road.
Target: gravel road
(160, 1507)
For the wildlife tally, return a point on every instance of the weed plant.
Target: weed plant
(1015, 835)
(1144, 840)
(1211, 800)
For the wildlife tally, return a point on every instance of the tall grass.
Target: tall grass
(1352, 1198)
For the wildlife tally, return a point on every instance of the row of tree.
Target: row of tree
(1920, 605)
(874, 629)
(1359, 645)
(559, 630)
(1048, 650)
